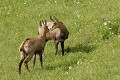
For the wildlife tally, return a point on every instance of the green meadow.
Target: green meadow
(92, 50)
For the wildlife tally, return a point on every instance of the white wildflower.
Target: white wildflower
(70, 67)
(24, 3)
(91, 61)
(55, 1)
(78, 62)
(109, 21)
(78, 2)
(112, 33)
(105, 23)
(110, 28)
(79, 52)
(119, 36)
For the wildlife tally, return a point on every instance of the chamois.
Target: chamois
(32, 46)
(59, 33)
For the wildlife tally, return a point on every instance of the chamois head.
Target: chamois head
(50, 25)
(57, 23)
(43, 26)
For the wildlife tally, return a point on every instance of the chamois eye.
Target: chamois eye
(38, 32)
(55, 23)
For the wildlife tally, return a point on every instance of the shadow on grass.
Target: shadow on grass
(64, 66)
(72, 62)
(84, 47)
(81, 48)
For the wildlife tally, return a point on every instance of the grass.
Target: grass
(92, 50)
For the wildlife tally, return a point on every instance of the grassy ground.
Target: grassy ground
(92, 50)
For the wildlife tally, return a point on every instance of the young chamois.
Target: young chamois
(58, 32)
(32, 46)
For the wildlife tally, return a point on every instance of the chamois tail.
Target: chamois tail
(21, 46)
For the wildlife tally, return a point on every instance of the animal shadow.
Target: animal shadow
(64, 66)
(83, 47)
(86, 48)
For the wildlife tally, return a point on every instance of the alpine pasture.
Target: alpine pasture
(92, 50)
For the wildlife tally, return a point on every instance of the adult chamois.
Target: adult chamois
(32, 46)
(58, 32)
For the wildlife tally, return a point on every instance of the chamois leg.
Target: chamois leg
(62, 47)
(34, 60)
(40, 56)
(56, 47)
(21, 61)
(26, 66)
(43, 52)
(27, 59)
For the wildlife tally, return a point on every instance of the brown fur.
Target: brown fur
(31, 46)
(59, 33)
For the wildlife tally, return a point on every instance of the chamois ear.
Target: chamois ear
(45, 22)
(51, 19)
(56, 20)
(40, 23)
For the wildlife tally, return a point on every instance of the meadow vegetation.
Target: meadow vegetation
(92, 51)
